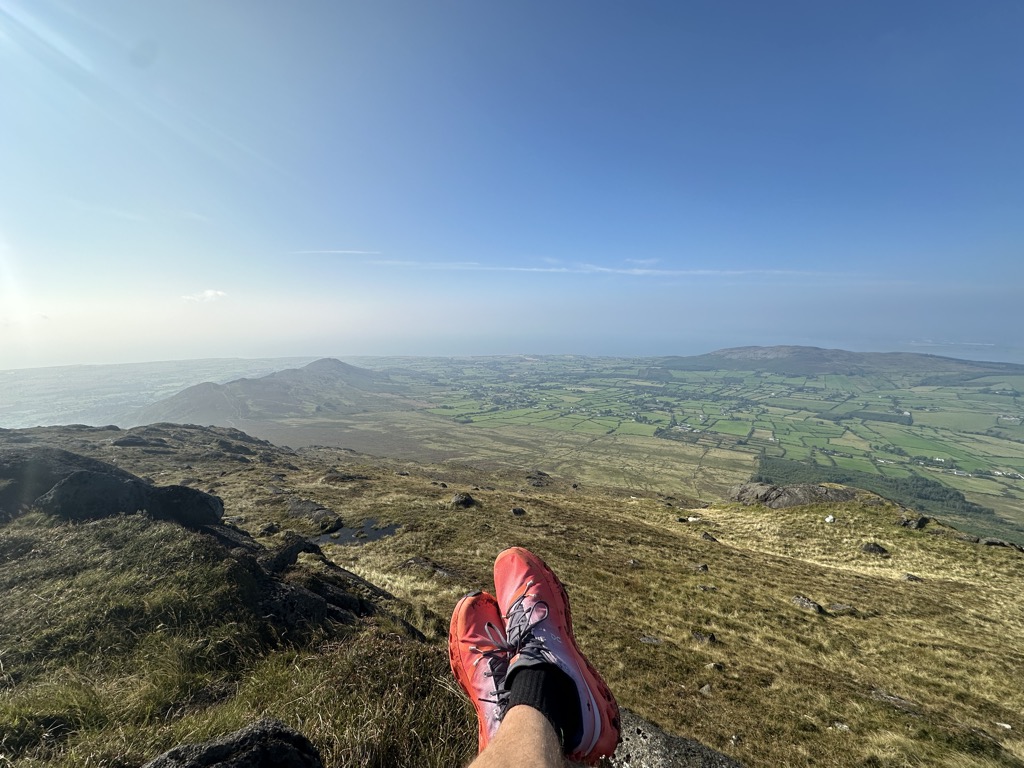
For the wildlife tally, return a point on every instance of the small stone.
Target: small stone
(708, 537)
(269, 529)
(705, 638)
(830, 519)
(705, 690)
(707, 587)
(1005, 726)
(874, 548)
(911, 577)
(806, 604)
(634, 563)
(518, 511)
(735, 739)
(463, 500)
(714, 666)
(838, 726)
(443, 485)
(650, 640)
(702, 568)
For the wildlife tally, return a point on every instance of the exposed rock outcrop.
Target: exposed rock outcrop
(336, 478)
(644, 745)
(295, 600)
(782, 496)
(538, 479)
(264, 744)
(76, 487)
(463, 500)
(806, 604)
(322, 517)
(874, 548)
(27, 473)
(991, 541)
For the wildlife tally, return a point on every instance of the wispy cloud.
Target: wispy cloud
(204, 296)
(335, 252)
(593, 269)
(642, 271)
(635, 268)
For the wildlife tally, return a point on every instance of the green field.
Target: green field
(653, 423)
(964, 431)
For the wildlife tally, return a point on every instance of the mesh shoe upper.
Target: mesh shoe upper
(538, 627)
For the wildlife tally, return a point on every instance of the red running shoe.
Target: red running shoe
(479, 659)
(538, 627)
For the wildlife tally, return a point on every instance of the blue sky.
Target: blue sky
(253, 178)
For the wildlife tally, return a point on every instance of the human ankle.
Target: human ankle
(553, 693)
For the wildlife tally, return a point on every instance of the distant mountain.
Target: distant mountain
(111, 394)
(328, 387)
(814, 361)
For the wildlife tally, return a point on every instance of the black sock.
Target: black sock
(549, 690)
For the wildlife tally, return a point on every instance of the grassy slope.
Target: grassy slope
(122, 638)
(952, 645)
(622, 461)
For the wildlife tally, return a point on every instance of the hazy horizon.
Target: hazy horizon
(976, 352)
(188, 180)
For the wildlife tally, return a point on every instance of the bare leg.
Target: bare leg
(525, 738)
